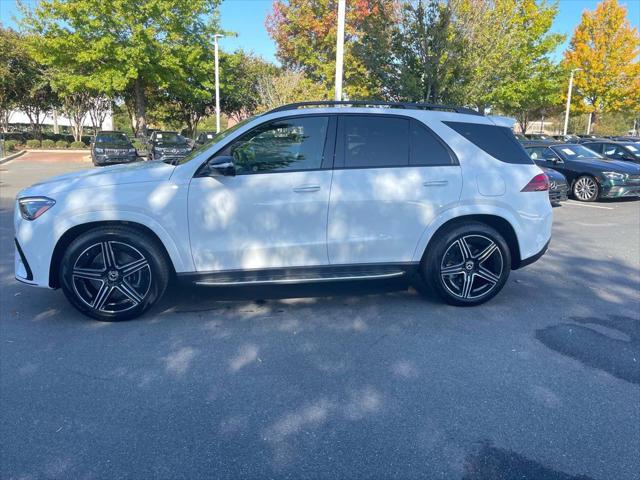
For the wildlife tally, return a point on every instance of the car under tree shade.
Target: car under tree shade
(301, 194)
(110, 148)
(590, 175)
(167, 146)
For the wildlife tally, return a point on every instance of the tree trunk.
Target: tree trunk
(141, 107)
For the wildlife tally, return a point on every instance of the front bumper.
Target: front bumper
(559, 194)
(621, 191)
(23, 271)
(114, 159)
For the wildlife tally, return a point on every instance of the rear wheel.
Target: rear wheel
(467, 264)
(586, 189)
(113, 273)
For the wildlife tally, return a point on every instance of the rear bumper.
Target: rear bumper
(559, 195)
(534, 258)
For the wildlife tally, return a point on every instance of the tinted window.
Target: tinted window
(169, 138)
(375, 141)
(426, 148)
(288, 144)
(499, 142)
(596, 147)
(112, 138)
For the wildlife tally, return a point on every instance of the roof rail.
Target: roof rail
(369, 103)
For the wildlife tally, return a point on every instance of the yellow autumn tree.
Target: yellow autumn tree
(607, 50)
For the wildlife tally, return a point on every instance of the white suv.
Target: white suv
(309, 192)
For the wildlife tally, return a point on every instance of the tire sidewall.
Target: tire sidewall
(148, 248)
(431, 265)
(597, 192)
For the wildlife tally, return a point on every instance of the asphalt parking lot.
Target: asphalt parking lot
(350, 381)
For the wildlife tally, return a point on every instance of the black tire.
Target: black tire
(585, 189)
(120, 285)
(467, 279)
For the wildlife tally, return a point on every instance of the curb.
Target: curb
(12, 156)
(61, 150)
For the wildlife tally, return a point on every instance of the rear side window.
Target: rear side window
(375, 141)
(427, 149)
(499, 142)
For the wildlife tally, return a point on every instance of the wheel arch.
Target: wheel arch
(501, 224)
(74, 232)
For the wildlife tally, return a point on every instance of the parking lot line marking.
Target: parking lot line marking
(585, 205)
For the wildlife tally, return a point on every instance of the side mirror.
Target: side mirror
(221, 166)
(555, 160)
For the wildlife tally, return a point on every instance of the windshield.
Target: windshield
(170, 137)
(216, 138)
(572, 152)
(112, 138)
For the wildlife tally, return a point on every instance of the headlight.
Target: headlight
(32, 207)
(99, 150)
(615, 175)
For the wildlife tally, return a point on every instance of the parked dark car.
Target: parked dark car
(590, 175)
(558, 186)
(204, 137)
(589, 140)
(538, 136)
(628, 151)
(626, 138)
(167, 146)
(110, 148)
(568, 138)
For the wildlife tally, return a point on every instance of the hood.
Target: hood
(101, 177)
(620, 166)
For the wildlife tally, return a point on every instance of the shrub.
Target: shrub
(62, 144)
(77, 145)
(10, 145)
(33, 143)
(138, 145)
(48, 143)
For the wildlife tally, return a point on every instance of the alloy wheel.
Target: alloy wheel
(111, 277)
(585, 188)
(471, 267)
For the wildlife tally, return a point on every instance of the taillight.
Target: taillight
(539, 183)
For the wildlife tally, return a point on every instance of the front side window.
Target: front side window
(281, 145)
(375, 141)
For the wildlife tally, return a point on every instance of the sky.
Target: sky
(247, 17)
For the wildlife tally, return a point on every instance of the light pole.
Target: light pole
(339, 49)
(566, 113)
(215, 43)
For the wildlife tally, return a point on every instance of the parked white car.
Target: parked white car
(305, 193)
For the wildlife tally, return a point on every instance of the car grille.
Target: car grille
(633, 179)
(116, 151)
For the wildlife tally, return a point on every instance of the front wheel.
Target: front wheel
(467, 264)
(586, 189)
(113, 273)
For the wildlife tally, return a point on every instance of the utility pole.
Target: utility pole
(215, 42)
(566, 113)
(339, 49)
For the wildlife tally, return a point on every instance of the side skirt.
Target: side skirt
(299, 275)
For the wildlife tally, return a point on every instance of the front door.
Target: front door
(273, 213)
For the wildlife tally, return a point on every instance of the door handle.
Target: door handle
(436, 183)
(306, 188)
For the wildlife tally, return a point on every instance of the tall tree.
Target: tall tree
(607, 49)
(305, 32)
(121, 45)
(12, 59)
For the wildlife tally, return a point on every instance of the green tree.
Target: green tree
(412, 57)
(121, 47)
(12, 57)
(607, 49)
(305, 32)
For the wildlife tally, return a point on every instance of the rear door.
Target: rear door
(392, 177)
